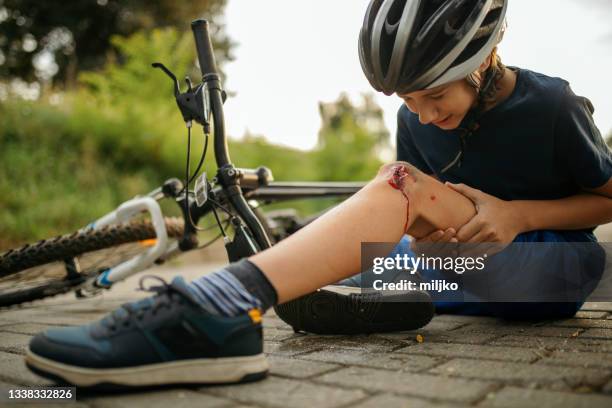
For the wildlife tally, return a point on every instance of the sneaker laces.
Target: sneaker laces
(165, 295)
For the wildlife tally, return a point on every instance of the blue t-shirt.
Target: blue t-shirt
(539, 144)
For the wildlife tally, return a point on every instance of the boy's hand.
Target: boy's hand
(495, 224)
(438, 243)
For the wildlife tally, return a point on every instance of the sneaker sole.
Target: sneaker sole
(333, 312)
(225, 370)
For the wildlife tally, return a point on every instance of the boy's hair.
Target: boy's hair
(486, 85)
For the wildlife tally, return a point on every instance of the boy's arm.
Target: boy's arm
(583, 210)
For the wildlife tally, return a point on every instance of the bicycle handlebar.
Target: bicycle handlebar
(204, 48)
(210, 77)
(226, 171)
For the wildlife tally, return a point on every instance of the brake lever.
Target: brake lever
(177, 89)
(194, 104)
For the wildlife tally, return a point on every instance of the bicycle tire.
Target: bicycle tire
(61, 248)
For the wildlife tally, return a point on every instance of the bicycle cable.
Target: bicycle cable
(202, 157)
(219, 222)
(189, 179)
(212, 241)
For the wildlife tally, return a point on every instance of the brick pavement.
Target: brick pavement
(463, 361)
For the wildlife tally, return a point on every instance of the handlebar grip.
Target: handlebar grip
(204, 47)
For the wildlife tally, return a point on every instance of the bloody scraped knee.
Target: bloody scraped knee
(397, 174)
(398, 177)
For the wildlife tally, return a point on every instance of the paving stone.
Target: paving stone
(13, 342)
(448, 337)
(49, 318)
(438, 328)
(597, 333)
(527, 398)
(464, 319)
(5, 322)
(283, 392)
(287, 350)
(65, 299)
(274, 334)
(272, 321)
(439, 324)
(418, 385)
(294, 368)
(24, 328)
(518, 373)
(175, 398)
(19, 314)
(395, 401)
(14, 371)
(597, 306)
(584, 323)
(390, 361)
(371, 344)
(585, 314)
(556, 343)
(89, 306)
(458, 337)
(472, 351)
(517, 329)
(404, 336)
(7, 319)
(579, 359)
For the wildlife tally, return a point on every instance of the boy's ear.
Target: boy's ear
(487, 62)
(485, 65)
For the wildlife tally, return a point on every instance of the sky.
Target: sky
(293, 54)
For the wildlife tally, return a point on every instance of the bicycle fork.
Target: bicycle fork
(123, 213)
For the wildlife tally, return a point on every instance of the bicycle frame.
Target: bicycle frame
(165, 249)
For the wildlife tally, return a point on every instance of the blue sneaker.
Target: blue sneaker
(162, 340)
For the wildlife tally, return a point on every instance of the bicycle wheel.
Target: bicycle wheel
(58, 265)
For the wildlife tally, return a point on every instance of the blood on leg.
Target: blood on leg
(430, 205)
(401, 176)
(398, 181)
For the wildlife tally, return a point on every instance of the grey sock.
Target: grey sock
(255, 282)
(220, 293)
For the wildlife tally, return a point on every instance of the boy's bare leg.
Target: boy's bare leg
(329, 249)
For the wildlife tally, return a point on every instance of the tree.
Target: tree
(351, 139)
(55, 39)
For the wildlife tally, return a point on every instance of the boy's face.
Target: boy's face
(444, 106)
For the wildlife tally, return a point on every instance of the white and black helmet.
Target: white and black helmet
(410, 45)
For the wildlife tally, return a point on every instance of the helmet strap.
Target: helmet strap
(486, 88)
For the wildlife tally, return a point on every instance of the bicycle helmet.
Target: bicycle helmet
(410, 45)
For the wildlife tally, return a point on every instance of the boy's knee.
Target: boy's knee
(388, 168)
(398, 174)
